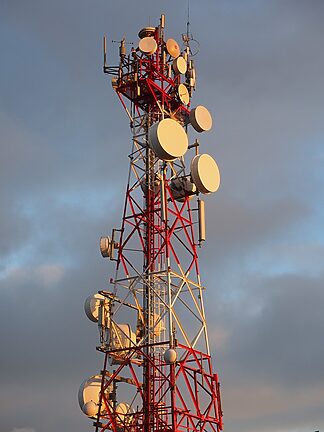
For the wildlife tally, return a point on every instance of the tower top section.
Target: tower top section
(157, 73)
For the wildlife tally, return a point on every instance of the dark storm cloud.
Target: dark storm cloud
(63, 166)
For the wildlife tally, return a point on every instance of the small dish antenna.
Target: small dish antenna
(92, 306)
(201, 119)
(179, 65)
(147, 45)
(105, 246)
(146, 31)
(172, 48)
(183, 94)
(205, 173)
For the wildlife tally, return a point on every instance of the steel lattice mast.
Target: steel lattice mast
(159, 362)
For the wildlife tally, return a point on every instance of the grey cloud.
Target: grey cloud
(283, 341)
(23, 430)
(235, 228)
(268, 344)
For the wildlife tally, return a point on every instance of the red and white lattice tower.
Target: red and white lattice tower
(157, 372)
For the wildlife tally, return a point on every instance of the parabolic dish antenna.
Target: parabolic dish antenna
(201, 119)
(146, 31)
(183, 94)
(147, 45)
(173, 48)
(205, 173)
(89, 392)
(168, 139)
(91, 306)
(179, 65)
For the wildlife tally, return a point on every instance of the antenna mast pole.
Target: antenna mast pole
(188, 21)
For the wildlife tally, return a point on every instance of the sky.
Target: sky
(64, 144)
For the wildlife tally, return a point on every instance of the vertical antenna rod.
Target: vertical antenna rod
(104, 52)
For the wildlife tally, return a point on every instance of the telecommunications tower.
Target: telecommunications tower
(157, 370)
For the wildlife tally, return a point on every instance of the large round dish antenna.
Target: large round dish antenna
(205, 173)
(146, 31)
(201, 119)
(179, 65)
(147, 45)
(183, 94)
(88, 395)
(168, 139)
(172, 48)
(92, 305)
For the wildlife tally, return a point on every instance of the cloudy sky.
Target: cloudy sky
(64, 140)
